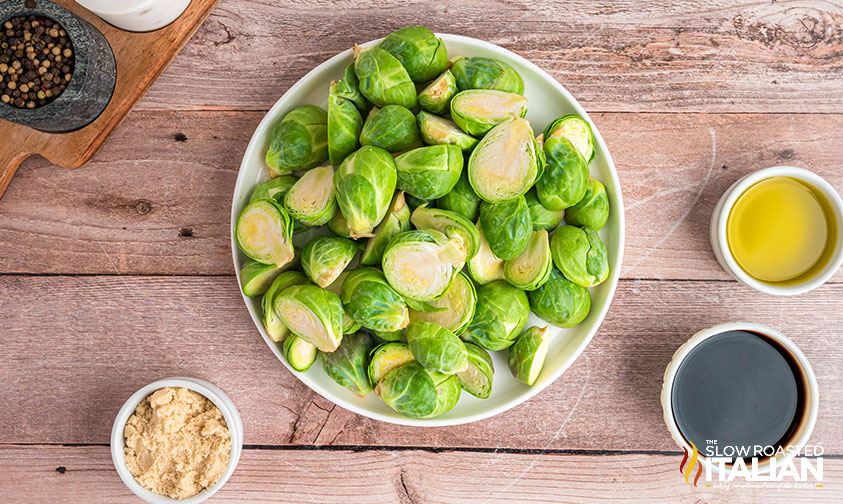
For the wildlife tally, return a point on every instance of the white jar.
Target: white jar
(137, 15)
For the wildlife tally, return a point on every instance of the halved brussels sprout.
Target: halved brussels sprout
(560, 301)
(580, 255)
(344, 125)
(501, 313)
(382, 78)
(397, 220)
(409, 390)
(526, 356)
(264, 232)
(530, 269)
(298, 353)
(437, 130)
(370, 300)
(436, 96)
(311, 313)
(458, 304)
(275, 328)
(449, 223)
(386, 357)
(255, 277)
(507, 226)
(577, 130)
(504, 165)
(311, 199)
(419, 51)
(274, 188)
(477, 377)
(462, 199)
(325, 257)
(436, 348)
(299, 141)
(339, 226)
(541, 217)
(392, 128)
(349, 88)
(593, 209)
(348, 365)
(485, 266)
(477, 112)
(421, 264)
(448, 391)
(565, 175)
(486, 73)
(364, 184)
(429, 172)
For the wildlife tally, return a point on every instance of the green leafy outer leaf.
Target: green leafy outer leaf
(526, 356)
(435, 130)
(299, 353)
(565, 175)
(255, 277)
(348, 365)
(436, 348)
(477, 112)
(504, 165)
(344, 126)
(531, 268)
(311, 313)
(477, 377)
(409, 390)
(450, 223)
(580, 255)
(577, 130)
(560, 301)
(448, 391)
(274, 326)
(486, 73)
(507, 226)
(311, 200)
(388, 356)
(392, 128)
(462, 199)
(382, 78)
(541, 217)
(429, 172)
(420, 52)
(274, 188)
(436, 97)
(485, 266)
(593, 209)
(501, 313)
(421, 264)
(299, 141)
(264, 232)
(364, 184)
(458, 306)
(325, 257)
(397, 220)
(371, 301)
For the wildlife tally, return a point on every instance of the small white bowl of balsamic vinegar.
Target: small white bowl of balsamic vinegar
(778, 230)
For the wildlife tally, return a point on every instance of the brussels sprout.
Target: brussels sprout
(349, 88)
(419, 51)
(505, 164)
(349, 325)
(409, 390)
(526, 356)
(560, 301)
(392, 128)
(364, 184)
(421, 264)
(390, 335)
(437, 130)
(274, 189)
(298, 353)
(477, 377)
(348, 365)
(429, 172)
(276, 329)
(458, 304)
(255, 277)
(580, 255)
(448, 391)
(311, 313)
(311, 199)
(264, 232)
(370, 300)
(450, 223)
(462, 199)
(436, 348)
(477, 112)
(397, 220)
(325, 257)
(382, 79)
(541, 217)
(486, 73)
(507, 226)
(344, 125)
(565, 176)
(577, 130)
(436, 97)
(485, 267)
(386, 357)
(299, 141)
(501, 313)
(593, 209)
(531, 269)
(339, 226)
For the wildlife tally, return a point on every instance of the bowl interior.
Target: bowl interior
(547, 101)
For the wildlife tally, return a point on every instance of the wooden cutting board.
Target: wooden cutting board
(141, 58)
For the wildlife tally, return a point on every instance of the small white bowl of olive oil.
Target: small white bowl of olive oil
(778, 230)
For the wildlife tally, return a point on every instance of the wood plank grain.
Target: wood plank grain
(82, 345)
(156, 200)
(47, 474)
(628, 55)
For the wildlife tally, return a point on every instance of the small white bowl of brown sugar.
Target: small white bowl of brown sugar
(176, 440)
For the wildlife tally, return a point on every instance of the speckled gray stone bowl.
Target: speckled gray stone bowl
(94, 72)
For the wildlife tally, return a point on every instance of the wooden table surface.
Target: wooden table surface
(119, 273)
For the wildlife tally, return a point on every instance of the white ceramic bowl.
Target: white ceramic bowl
(720, 218)
(216, 396)
(547, 101)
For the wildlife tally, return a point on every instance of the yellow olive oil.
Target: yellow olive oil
(780, 229)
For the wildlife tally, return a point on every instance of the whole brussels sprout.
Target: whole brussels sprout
(348, 365)
(457, 304)
(486, 73)
(560, 301)
(450, 223)
(344, 125)
(339, 226)
(298, 353)
(437, 130)
(397, 220)
(275, 328)
(392, 128)
(364, 184)
(325, 257)
(507, 226)
(577, 130)
(502, 311)
(526, 356)
(429, 172)
(462, 199)
(565, 175)
(485, 266)
(580, 255)
(531, 269)
(409, 390)
(255, 277)
(477, 377)
(274, 188)
(593, 209)
(422, 54)
(264, 232)
(349, 88)
(299, 141)
(311, 313)
(311, 199)
(436, 348)
(370, 300)
(477, 112)
(448, 391)
(436, 96)
(382, 78)
(386, 357)
(505, 164)
(420, 265)
(541, 217)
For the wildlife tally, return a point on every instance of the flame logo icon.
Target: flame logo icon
(687, 469)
